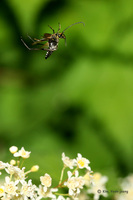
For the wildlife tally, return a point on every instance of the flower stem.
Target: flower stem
(62, 172)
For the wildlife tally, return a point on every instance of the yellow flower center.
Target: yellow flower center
(1, 190)
(81, 163)
(23, 153)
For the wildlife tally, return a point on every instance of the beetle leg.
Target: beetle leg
(35, 48)
(46, 44)
(25, 44)
(39, 40)
(36, 41)
(30, 38)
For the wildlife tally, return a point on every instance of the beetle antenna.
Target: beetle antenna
(72, 25)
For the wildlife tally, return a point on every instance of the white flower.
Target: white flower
(11, 169)
(80, 181)
(10, 186)
(46, 180)
(88, 178)
(83, 196)
(2, 191)
(20, 174)
(17, 172)
(41, 192)
(22, 153)
(27, 190)
(44, 194)
(126, 192)
(60, 197)
(68, 162)
(82, 162)
(3, 165)
(13, 149)
(74, 183)
(99, 183)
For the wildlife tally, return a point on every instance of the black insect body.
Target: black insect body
(51, 40)
(52, 45)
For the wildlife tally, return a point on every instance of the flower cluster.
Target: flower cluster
(126, 192)
(16, 185)
(98, 183)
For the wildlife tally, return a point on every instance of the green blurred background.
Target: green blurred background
(79, 100)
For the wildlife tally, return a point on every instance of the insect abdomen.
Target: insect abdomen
(48, 54)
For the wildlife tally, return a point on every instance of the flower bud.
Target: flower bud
(34, 168)
(13, 162)
(13, 149)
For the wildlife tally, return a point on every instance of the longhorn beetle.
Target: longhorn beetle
(52, 40)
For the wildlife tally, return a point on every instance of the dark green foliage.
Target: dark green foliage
(80, 100)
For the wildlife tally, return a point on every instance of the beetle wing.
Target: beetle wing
(47, 35)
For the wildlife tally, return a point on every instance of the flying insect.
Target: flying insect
(52, 40)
